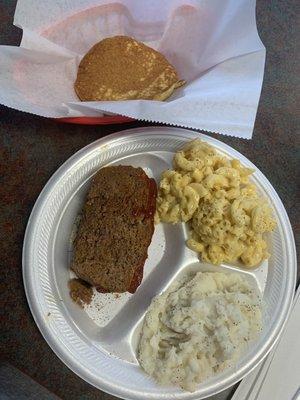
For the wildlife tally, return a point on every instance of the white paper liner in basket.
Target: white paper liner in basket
(214, 46)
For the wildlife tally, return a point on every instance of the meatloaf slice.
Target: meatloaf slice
(116, 229)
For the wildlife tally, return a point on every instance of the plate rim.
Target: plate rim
(61, 352)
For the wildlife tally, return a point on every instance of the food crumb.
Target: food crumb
(80, 291)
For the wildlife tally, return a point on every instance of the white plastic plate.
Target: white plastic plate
(99, 343)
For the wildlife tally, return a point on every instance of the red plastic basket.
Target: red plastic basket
(107, 120)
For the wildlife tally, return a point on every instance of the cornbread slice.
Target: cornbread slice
(121, 68)
(116, 229)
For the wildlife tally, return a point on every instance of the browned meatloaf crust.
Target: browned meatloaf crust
(116, 229)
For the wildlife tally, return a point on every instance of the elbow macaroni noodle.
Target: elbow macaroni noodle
(227, 219)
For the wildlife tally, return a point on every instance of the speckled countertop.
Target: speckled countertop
(32, 148)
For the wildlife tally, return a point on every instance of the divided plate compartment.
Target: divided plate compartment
(99, 343)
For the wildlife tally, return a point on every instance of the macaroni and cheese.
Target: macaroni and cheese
(226, 216)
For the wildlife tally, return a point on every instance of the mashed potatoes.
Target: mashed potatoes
(198, 327)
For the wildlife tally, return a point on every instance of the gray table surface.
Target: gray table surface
(32, 148)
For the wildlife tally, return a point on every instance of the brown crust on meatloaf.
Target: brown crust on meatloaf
(116, 229)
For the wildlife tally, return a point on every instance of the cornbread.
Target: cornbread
(201, 325)
(121, 68)
(116, 229)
